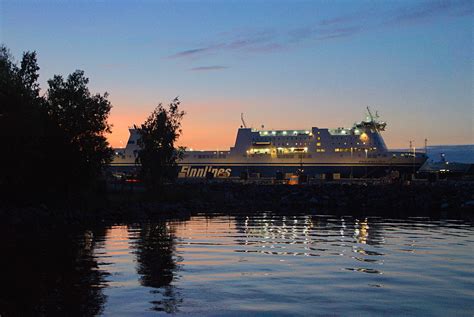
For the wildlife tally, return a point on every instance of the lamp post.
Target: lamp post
(352, 163)
(366, 150)
(414, 161)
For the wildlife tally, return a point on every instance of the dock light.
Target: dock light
(295, 132)
(343, 131)
(273, 132)
(307, 132)
(284, 132)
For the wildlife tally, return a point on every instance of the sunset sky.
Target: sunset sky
(285, 64)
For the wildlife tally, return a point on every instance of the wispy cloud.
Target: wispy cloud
(208, 68)
(193, 52)
(270, 40)
(249, 41)
(429, 10)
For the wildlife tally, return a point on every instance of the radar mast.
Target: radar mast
(243, 121)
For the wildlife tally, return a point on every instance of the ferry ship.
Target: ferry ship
(356, 152)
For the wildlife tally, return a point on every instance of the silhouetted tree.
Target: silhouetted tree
(82, 121)
(158, 134)
(54, 144)
(23, 124)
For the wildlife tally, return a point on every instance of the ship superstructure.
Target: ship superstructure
(359, 151)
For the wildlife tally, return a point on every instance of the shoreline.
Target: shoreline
(441, 199)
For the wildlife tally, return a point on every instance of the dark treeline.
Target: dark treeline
(53, 144)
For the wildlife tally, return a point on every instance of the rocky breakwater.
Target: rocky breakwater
(441, 199)
(416, 198)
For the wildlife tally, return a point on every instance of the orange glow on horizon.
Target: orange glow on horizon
(212, 125)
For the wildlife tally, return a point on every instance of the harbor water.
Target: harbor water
(260, 264)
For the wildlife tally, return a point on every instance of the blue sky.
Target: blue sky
(285, 64)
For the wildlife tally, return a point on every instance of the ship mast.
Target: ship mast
(243, 121)
(378, 126)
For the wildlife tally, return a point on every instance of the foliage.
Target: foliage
(54, 143)
(22, 122)
(82, 121)
(158, 134)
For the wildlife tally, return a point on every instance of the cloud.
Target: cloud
(193, 52)
(241, 41)
(208, 68)
(429, 10)
(271, 40)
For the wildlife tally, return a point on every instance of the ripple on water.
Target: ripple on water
(256, 264)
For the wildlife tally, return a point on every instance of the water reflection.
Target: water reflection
(249, 265)
(50, 272)
(307, 235)
(155, 255)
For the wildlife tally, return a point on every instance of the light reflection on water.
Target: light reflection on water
(271, 264)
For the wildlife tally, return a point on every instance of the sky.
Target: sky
(284, 64)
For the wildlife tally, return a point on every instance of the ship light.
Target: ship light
(343, 131)
(295, 132)
(364, 137)
(306, 149)
(273, 132)
(307, 132)
(284, 132)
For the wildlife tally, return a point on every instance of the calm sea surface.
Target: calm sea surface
(244, 265)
